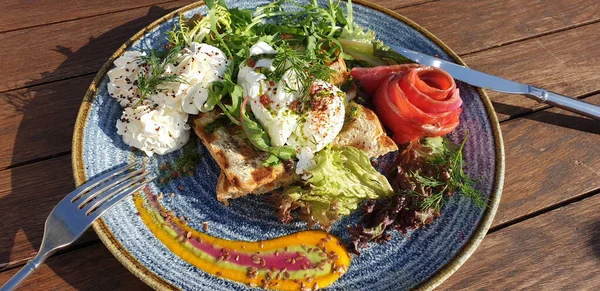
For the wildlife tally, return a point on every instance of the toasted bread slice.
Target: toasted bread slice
(242, 171)
(240, 163)
(364, 132)
(225, 190)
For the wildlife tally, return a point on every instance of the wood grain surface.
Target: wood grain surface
(395, 5)
(552, 156)
(38, 122)
(25, 206)
(92, 268)
(545, 234)
(44, 12)
(564, 62)
(558, 250)
(468, 26)
(68, 49)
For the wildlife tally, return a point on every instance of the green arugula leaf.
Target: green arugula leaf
(260, 139)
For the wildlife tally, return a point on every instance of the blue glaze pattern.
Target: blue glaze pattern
(400, 264)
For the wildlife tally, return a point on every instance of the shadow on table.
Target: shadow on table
(575, 122)
(75, 271)
(594, 242)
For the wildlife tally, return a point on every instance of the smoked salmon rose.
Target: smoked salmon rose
(412, 101)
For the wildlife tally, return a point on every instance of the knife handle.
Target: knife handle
(564, 102)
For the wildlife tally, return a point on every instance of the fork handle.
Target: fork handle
(564, 102)
(27, 270)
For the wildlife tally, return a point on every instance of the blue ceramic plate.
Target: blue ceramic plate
(419, 259)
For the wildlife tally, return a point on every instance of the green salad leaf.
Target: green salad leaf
(342, 178)
(260, 139)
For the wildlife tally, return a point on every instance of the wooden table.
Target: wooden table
(546, 234)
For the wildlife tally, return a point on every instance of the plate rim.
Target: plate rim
(158, 283)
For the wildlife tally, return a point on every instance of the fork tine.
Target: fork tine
(73, 196)
(97, 191)
(112, 192)
(94, 213)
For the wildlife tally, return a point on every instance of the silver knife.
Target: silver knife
(486, 81)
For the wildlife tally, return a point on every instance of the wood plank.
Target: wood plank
(69, 49)
(551, 156)
(473, 25)
(90, 268)
(27, 195)
(22, 14)
(395, 5)
(38, 121)
(567, 62)
(51, 11)
(558, 250)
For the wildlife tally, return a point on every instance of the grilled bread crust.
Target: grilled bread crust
(242, 169)
(365, 132)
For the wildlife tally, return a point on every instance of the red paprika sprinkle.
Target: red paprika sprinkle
(264, 99)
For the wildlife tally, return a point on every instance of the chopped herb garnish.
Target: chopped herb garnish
(459, 180)
(305, 70)
(435, 174)
(156, 64)
(184, 166)
(215, 125)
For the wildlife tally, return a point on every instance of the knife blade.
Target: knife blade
(487, 81)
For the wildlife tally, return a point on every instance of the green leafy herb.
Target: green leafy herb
(260, 139)
(305, 72)
(212, 3)
(227, 95)
(156, 64)
(459, 180)
(272, 160)
(436, 173)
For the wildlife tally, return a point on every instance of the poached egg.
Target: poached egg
(309, 124)
(123, 78)
(199, 65)
(158, 124)
(154, 130)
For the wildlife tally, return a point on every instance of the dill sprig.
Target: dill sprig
(306, 70)
(156, 64)
(433, 188)
(459, 179)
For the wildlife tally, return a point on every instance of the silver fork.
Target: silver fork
(76, 212)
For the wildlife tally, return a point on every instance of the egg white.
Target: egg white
(308, 132)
